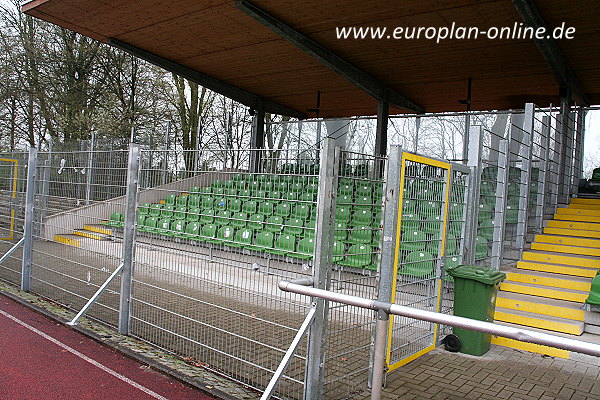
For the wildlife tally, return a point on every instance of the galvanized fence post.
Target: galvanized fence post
(501, 201)
(525, 185)
(471, 212)
(578, 151)
(317, 338)
(129, 238)
(386, 268)
(543, 175)
(28, 225)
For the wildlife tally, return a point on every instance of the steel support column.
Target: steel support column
(381, 132)
(543, 176)
(257, 141)
(501, 201)
(472, 204)
(129, 238)
(28, 223)
(317, 339)
(525, 183)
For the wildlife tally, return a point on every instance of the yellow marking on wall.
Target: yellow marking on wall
(531, 347)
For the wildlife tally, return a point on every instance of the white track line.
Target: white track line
(86, 358)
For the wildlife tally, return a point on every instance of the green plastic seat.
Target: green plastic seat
(362, 217)
(514, 189)
(235, 205)
(249, 207)
(263, 241)
(345, 190)
(296, 187)
(512, 214)
(345, 200)
(358, 256)
(245, 193)
(486, 229)
(217, 183)
(225, 235)
(207, 202)
(155, 210)
(193, 200)
(283, 210)
(490, 173)
(344, 181)
(182, 201)
(116, 220)
(140, 222)
(144, 209)
(595, 175)
(180, 213)
(178, 228)
(455, 228)
(301, 211)
(275, 195)
(487, 188)
(195, 190)
(306, 249)
(222, 217)
(229, 184)
(238, 177)
(432, 225)
(280, 186)
(452, 261)
(192, 231)
(481, 248)
(364, 201)
(231, 192)
(338, 251)
(170, 200)
(456, 211)
(284, 245)
(274, 224)
(220, 203)
(220, 191)
(340, 231)
(167, 211)
(430, 208)
(486, 211)
(360, 234)
(193, 215)
(206, 190)
(418, 264)
(294, 226)
(343, 213)
(150, 224)
(266, 208)
(312, 188)
(289, 196)
(243, 238)
(267, 186)
(413, 241)
(309, 229)
(209, 233)
(452, 245)
(164, 227)
(410, 222)
(239, 220)
(240, 185)
(256, 222)
(364, 189)
(254, 186)
(207, 217)
(260, 194)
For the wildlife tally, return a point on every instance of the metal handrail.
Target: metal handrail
(520, 334)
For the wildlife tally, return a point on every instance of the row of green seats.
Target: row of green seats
(420, 241)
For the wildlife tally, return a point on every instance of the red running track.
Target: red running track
(42, 359)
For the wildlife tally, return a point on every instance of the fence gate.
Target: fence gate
(9, 173)
(421, 242)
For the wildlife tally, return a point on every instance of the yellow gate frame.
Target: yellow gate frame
(13, 196)
(435, 163)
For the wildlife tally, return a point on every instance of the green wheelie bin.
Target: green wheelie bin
(475, 289)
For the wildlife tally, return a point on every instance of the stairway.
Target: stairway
(96, 232)
(548, 288)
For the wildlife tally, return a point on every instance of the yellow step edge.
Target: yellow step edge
(584, 251)
(552, 282)
(568, 241)
(579, 200)
(66, 240)
(539, 308)
(557, 269)
(584, 207)
(577, 217)
(572, 232)
(560, 259)
(586, 226)
(97, 229)
(88, 235)
(577, 211)
(531, 347)
(544, 292)
(537, 323)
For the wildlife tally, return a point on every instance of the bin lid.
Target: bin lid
(486, 275)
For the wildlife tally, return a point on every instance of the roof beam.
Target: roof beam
(233, 92)
(548, 46)
(351, 72)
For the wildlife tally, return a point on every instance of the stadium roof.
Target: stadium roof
(282, 55)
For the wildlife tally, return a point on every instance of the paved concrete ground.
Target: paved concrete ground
(502, 373)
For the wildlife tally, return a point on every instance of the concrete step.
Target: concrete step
(568, 240)
(545, 322)
(91, 235)
(578, 211)
(572, 232)
(559, 258)
(577, 218)
(557, 269)
(532, 289)
(579, 200)
(550, 280)
(585, 206)
(558, 248)
(585, 226)
(542, 306)
(531, 347)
